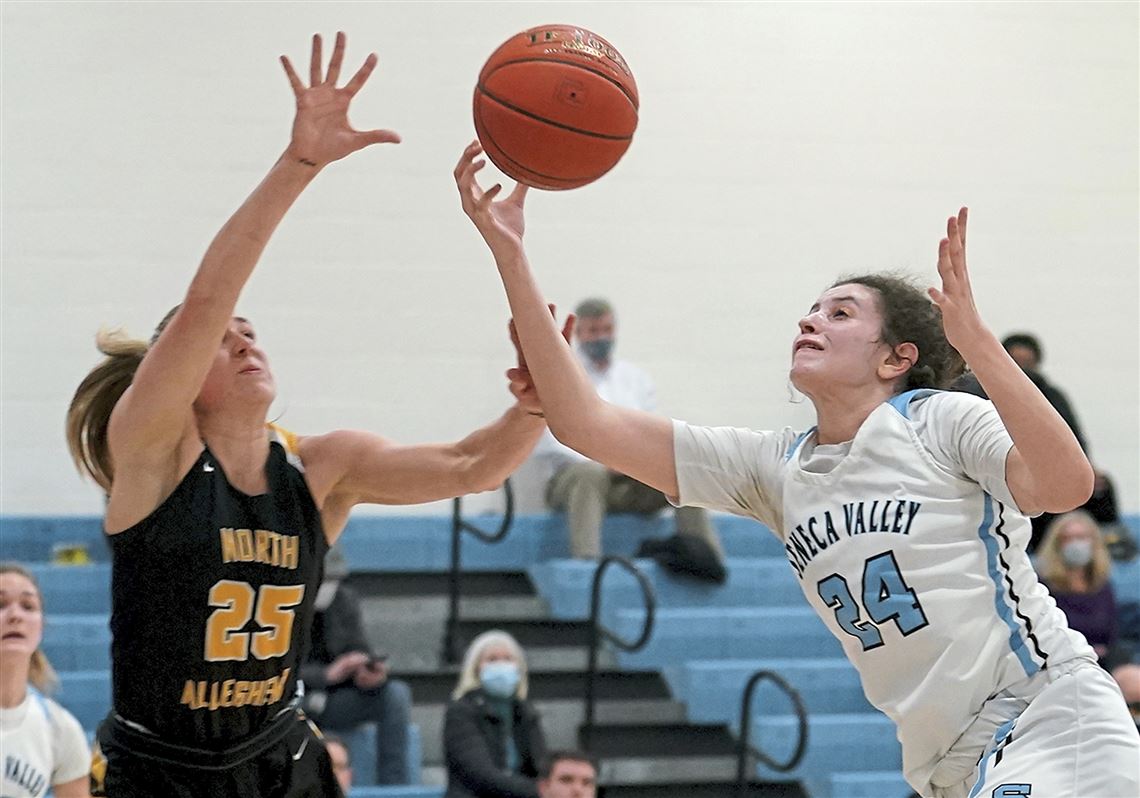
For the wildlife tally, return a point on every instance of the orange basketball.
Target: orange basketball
(555, 107)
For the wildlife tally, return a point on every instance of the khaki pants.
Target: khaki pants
(588, 490)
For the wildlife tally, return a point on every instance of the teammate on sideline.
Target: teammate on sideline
(43, 745)
(217, 532)
(903, 514)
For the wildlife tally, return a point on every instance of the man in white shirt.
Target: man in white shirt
(587, 490)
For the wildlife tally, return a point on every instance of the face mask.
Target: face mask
(599, 349)
(500, 678)
(1077, 553)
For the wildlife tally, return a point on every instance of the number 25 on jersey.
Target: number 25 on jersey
(271, 608)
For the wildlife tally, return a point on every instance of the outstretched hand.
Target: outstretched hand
(522, 384)
(321, 131)
(501, 223)
(960, 317)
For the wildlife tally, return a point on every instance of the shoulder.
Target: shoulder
(935, 405)
(65, 727)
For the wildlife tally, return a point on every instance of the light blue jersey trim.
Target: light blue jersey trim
(796, 444)
(902, 401)
(1017, 640)
(999, 737)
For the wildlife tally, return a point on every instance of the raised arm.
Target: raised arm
(1046, 468)
(156, 411)
(634, 442)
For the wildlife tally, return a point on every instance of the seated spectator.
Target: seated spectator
(346, 683)
(586, 490)
(43, 744)
(341, 761)
(1026, 351)
(568, 774)
(1074, 564)
(492, 736)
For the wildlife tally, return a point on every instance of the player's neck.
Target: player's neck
(13, 681)
(838, 420)
(242, 448)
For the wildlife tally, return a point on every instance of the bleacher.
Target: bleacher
(707, 642)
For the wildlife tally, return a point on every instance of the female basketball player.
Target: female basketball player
(903, 513)
(217, 532)
(44, 745)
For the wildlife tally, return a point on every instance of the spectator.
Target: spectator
(1074, 564)
(587, 490)
(43, 744)
(492, 736)
(347, 682)
(341, 761)
(1026, 351)
(568, 774)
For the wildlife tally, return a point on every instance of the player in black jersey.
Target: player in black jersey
(218, 525)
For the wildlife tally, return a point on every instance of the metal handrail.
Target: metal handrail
(743, 748)
(597, 631)
(458, 526)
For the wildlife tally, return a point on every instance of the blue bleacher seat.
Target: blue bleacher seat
(836, 743)
(752, 582)
(682, 634)
(875, 784)
(78, 642)
(414, 791)
(83, 589)
(714, 689)
(86, 694)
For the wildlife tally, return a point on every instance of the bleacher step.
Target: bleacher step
(662, 740)
(705, 790)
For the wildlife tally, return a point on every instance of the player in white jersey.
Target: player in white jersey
(42, 745)
(904, 516)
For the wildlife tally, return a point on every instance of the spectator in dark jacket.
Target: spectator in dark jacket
(346, 682)
(492, 736)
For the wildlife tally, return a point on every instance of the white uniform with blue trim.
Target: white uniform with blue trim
(42, 745)
(908, 544)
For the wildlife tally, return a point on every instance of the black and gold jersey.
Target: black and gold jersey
(212, 602)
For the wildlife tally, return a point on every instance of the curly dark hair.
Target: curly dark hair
(910, 317)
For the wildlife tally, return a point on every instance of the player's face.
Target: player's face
(240, 371)
(21, 615)
(569, 779)
(840, 343)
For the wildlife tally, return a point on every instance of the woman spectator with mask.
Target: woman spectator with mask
(1074, 564)
(492, 736)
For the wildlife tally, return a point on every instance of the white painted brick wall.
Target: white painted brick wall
(779, 146)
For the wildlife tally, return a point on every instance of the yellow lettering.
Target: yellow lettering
(188, 694)
(261, 546)
(290, 553)
(214, 688)
(229, 548)
(244, 544)
(276, 689)
(227, 697)
(257, 694)
(241, 693)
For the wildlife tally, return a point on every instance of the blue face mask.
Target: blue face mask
(500, 678)
(598, 350)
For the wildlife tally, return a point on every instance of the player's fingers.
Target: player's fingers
(963, 213)
(518, 195)
(337, 59)
(294, 79)
(315, 61)
(568, 327)
(362, 75)
(489, 195)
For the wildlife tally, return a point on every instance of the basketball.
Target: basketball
(555, 107)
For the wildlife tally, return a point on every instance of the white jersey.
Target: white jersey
(907, 543)
(41, 744)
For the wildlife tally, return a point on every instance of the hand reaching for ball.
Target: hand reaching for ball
(501, 223)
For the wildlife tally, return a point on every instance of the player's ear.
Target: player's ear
(898, 361)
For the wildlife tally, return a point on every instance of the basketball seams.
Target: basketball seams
(584, 67)
(560, 125)
(567, 182)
